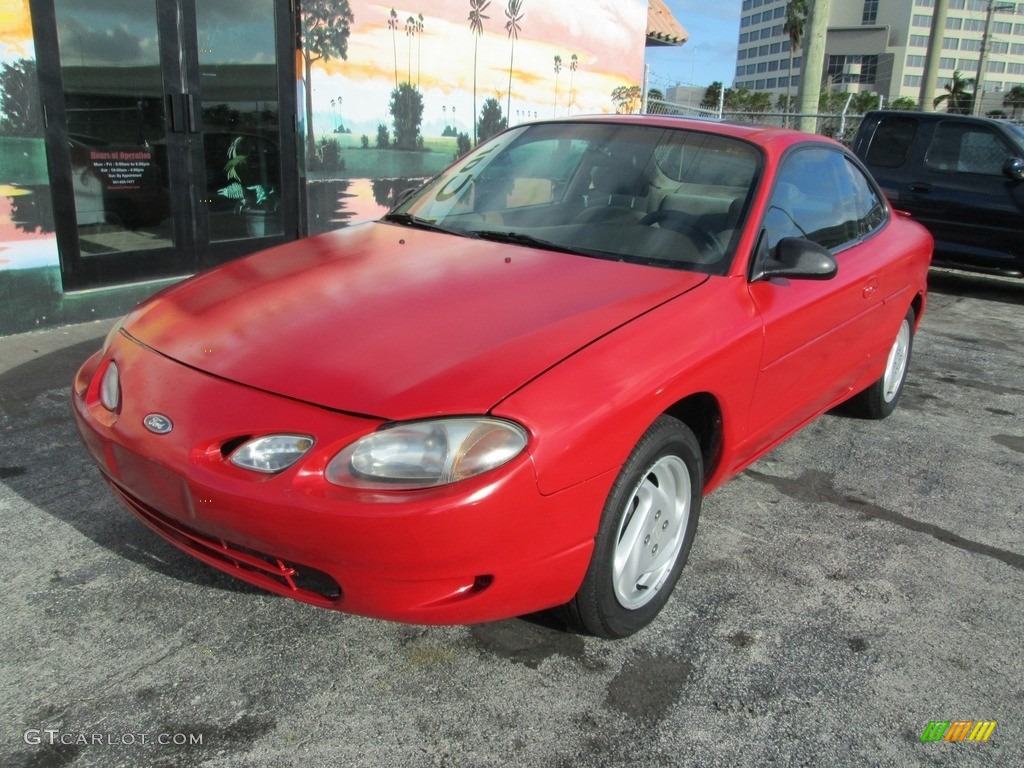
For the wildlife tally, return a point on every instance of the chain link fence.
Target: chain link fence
(840, 127)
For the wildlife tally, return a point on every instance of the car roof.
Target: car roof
(762, 135)
(931, 117)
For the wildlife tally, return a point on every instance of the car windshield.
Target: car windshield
(671, 197)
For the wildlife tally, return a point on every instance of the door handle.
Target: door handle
(190, 111)
(181, 111)
(870, 287)
(920, 186)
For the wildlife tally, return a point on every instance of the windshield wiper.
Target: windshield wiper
(408, 220)
(519, 238)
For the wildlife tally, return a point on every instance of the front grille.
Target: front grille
(271, 573)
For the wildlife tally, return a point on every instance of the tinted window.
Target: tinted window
(891, 141)
(967, 148)
(816, 197)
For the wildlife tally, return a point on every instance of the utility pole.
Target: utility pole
(931, 63)
(813, 64)
(986, 41)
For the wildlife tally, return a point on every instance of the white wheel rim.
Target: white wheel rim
(650, 535)
(896, 366)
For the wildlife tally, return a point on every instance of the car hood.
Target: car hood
(394, 322)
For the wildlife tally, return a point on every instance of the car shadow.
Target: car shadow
(1009, 290)
(45, 463)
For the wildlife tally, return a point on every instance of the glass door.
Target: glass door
(166, 149)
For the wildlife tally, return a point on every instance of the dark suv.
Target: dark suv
(961, 177)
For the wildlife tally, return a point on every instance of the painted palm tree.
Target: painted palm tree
(393, 26)
(574, 62)
(958, 99)
(514, 14)
(476, 26)
(796, 17)
(558, 68)
(410, 33)
(419, 47)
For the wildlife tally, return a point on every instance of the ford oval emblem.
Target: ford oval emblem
(158, 423)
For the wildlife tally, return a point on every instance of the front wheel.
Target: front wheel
(645, 534)
(880, 399)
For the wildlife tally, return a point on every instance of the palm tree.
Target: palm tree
(558, 68)
(393, 26)
(1014, 99)
(419, 47)
(476, 26)
(410, 33)
(796, 17)
(514, 15)
(574, 62)
(958, 99)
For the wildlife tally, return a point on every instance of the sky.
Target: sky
(710, 53)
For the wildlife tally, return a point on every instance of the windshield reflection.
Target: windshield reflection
(644, 194)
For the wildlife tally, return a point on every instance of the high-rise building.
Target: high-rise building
(880, 46)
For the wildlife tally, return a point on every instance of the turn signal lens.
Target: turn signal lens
(272, 453)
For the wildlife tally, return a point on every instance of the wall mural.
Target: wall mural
(391, 95)
(26, 219)
(388, 96)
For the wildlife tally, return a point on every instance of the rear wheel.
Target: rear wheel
(646, 531)
(881, 398)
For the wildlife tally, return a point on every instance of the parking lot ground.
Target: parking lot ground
(858, 583)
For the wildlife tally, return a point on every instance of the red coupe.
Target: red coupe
(511, 392)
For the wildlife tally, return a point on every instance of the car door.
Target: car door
(818, 334)
(961, 194)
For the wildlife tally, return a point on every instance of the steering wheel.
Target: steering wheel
(686, 224)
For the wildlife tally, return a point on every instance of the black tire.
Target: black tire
(882, 397)
(618, 599)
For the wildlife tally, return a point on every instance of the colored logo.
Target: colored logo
(158, 423)
(958, 730)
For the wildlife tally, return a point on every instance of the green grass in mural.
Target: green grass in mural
(22, 161)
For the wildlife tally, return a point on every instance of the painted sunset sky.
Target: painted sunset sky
(607, 37)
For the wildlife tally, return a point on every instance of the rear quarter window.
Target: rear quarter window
(891, 142)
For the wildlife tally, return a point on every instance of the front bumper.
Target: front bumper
(487, 548)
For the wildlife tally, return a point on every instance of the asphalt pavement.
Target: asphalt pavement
(857, 584)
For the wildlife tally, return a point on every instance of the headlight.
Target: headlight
(272, 453)
(424, 454)
(110, 388)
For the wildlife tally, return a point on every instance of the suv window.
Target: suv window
(822, 196)
(891, 141)
(966, 148)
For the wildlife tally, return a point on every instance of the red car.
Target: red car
(511, 392)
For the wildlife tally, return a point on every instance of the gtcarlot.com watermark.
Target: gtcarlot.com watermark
(54, 736)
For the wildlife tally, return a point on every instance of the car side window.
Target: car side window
(814, 197)
(965, 148)
(891, 141)
(871, 210)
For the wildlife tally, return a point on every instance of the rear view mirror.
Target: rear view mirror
(1014, 168)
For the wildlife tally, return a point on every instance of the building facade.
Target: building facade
(880, 46)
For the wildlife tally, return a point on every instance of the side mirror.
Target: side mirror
(799, 259)
(1014, 168)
